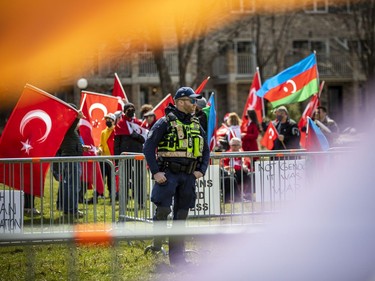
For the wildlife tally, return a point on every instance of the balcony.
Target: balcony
(329, 66)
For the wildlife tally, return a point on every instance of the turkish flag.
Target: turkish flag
(161, 106)
(159, 109)
(308, 112)
(269, 136)
(119, 92)
(253, 102)
(36, 128)
(94, 107)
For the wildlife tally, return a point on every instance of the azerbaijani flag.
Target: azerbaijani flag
(316, 140)
(210, 111)
(295, 84)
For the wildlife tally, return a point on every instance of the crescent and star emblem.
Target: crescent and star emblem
(294, 89)
(35, 114)
(254, 99)
(271, 133)
(96, 122)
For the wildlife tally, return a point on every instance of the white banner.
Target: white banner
(279, 180)
(11, 209)
(208, 193)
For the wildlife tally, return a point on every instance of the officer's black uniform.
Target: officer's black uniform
(179, 171)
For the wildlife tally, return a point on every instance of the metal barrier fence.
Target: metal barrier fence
(229, 193)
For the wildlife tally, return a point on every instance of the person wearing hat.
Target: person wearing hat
(289, 134)
(181, 157)
(149, 119)
(106, 147)
(200, 114)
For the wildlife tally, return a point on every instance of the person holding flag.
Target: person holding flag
(106, 147)
(288, 132)
(70, 178)
(130, 137)
(182, 156)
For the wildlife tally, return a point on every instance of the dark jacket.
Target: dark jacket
(291, 134)
(71, 144)
(202, 117)
(125, 141)
(159, 130)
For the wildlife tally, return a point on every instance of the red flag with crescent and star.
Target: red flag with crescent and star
(253, 102)
(94, 107)
(269, 136)
(159, 109)
(35, 129)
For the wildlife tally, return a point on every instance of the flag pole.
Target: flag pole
(122, 88)
(260, 85)
(317, 71)
(83, 102)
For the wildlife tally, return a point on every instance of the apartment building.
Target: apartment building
(271, 42)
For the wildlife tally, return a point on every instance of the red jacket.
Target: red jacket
(249, 140)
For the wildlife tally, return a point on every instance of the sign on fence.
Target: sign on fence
(11, 208)
(279, 180)
(208, 193)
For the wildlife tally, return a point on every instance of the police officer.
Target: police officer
(182, 157)
(289, 134)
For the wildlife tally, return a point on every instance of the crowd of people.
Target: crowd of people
(177, 153)
(232, 136)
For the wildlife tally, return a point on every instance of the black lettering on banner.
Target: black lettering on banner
(209, 183)
(198, 207)
(200, 195)
(267, 167)
(205, 207)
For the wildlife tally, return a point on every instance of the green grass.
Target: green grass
(63, 261)
(66, 262)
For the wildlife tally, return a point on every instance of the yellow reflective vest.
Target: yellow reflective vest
(182, 140)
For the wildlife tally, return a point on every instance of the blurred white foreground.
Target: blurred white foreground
(327, 235)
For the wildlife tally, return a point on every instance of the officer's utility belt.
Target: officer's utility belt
(184, 154)
(180, 168)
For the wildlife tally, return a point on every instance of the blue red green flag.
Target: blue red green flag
(210, 111)
(295, 84)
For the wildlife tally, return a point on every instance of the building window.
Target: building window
(316, 6)
(242, 6)
(340, 7)
(305, 47)
(245, 52)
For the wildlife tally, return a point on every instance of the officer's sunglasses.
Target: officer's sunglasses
(193, 101)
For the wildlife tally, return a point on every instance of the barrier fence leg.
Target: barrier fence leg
(30, 263)
(72, 262)
(115, 261)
